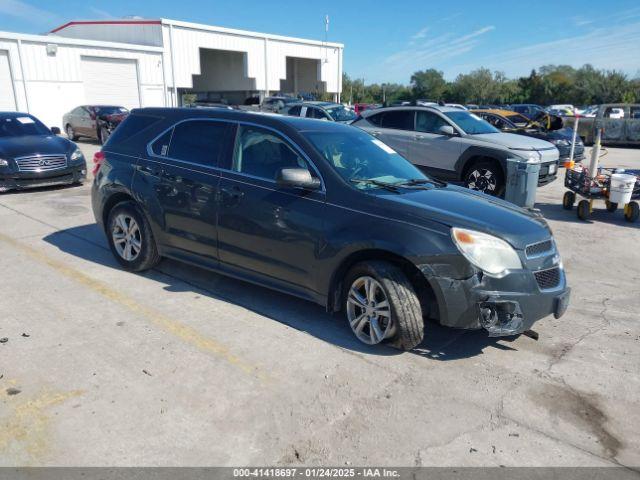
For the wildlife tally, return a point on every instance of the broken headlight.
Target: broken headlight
(490, 254)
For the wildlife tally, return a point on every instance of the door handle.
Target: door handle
(418, 137)
(234, 193)
(155, 171)
(376, 133)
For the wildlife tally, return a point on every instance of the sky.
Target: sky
(388, 41)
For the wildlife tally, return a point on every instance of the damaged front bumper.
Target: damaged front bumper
(503, 306)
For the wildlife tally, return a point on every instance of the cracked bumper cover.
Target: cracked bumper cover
(503, 306)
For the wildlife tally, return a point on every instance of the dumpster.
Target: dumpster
(522, 182)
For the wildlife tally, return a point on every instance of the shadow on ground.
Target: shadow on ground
(555, 211)
(88, 242)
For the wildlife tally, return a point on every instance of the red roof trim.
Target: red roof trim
(108, 22)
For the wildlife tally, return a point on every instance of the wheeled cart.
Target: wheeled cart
(598, 187)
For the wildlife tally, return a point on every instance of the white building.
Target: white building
(154, 63)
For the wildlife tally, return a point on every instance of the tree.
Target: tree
(428, 84)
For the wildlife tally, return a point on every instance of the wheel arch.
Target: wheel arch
(112, 201)
(479, 153)
(420, 284)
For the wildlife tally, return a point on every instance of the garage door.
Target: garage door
(7, 99)
(110, 81)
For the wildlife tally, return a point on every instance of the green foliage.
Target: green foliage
(548, 85)
(428, 84)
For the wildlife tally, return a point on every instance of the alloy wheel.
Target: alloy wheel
(70, 133)
(369, 311)
(127, 237)
(483, 180)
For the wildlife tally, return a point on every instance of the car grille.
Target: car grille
(41, 163)
(540, 248)
(548, 279)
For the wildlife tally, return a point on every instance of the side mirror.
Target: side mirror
(446, 130)
(55, 130)
(297, 177)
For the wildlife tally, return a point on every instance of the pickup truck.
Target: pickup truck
(618, 128)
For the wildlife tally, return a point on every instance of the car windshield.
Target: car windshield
(21, 126)
(358, 156)
(341, 114)
(110, 110)
(470, 123)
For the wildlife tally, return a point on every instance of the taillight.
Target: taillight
(98, 160)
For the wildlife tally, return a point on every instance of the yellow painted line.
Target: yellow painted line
(184, 332)
(28, 425)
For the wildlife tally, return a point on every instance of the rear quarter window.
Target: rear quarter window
(132, 126)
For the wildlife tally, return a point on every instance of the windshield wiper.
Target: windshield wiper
(389, 186)
(420, 181)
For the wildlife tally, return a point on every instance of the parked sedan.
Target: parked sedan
(31, 155)
(333, 112)
(93, 121)
(328, 213)
(561, 137)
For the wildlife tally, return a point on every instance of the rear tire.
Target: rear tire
(71, 134)
(568, 200)
(393, 310)
(130, 238)
(485, 176)
(584, 210)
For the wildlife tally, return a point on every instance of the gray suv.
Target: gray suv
(456, 145)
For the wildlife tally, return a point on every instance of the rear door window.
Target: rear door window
(295, 111)
(399, 120)
(199, 141)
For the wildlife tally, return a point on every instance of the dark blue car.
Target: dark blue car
(326, 212)
(32, 155)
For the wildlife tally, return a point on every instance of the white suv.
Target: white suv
(456, 145)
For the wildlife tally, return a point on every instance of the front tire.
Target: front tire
(485, 176)
(103, 135)
(130, 238)
(381, 305)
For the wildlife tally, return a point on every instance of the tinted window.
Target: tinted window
(401, 120)
(20, 126)
(318, 113)
(131, 126)
(198, 141)
(429, 122)
(109, 110)
(635, 113)
(341, 114)
(261, 153)
(161, 145)
(470, 123)
(376, 119)
(295, 111)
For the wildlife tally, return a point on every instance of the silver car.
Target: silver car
(456, 145)
(333, 112)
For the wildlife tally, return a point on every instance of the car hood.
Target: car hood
(513, 141)
(460, 207)
(12, 147)
(562, 134)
